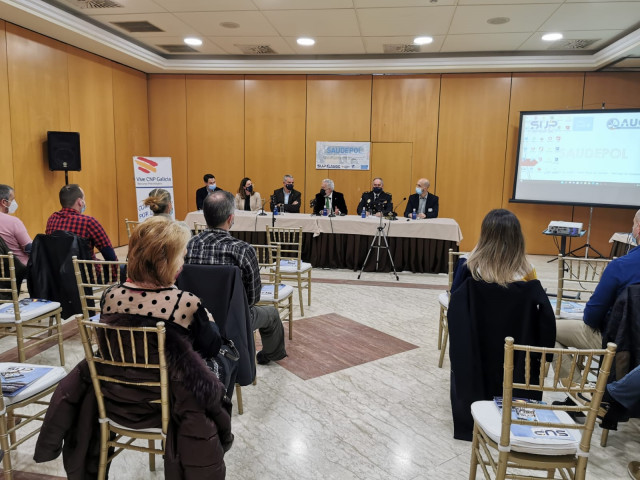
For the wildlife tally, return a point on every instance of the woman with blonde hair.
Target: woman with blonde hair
(494, 295)
(159, 202)
(246, 198)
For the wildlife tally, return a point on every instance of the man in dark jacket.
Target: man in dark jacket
(209, 186)
(328, 197)
(424, 203)
(377, 201)
(286, 198)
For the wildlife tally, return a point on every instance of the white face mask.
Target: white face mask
(13, 206)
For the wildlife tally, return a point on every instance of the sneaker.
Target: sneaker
(262, 358)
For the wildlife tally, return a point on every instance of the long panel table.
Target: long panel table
(342, 242)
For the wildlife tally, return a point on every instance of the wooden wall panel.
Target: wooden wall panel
(392, 163)
(548, 91)
(614, 90)
(215, 130)
(91, 114)
(6, 158)
(339, 110)
(39, 89)
(275, 117)
(167, 99)
(472, 138)
(405, 109)
(131, 126)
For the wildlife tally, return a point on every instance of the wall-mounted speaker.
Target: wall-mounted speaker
(63, 149)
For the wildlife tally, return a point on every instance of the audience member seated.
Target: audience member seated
(72, 219)
(424, 203)
(377, 201)
(246, 198)
(286, 198)
(209, 186)
(620, 273)
(330, 199)
(159, 202)
(216, 246)
(13, 232)
(200, 428)
(493, 302)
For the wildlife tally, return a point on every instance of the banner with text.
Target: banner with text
(343, 155)
(151, 173)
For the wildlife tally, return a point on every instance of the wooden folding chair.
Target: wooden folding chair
(109, 365)
(199, 227)
(17, 317)
(130, 224)
(443, 299)
(524, 438)
(577, 279)
(93, 277)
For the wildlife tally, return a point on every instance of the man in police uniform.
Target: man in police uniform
(377, 201)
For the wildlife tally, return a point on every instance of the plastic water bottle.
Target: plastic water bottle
(364, 213)
(325, 212)
(414, 215)
(275, 210)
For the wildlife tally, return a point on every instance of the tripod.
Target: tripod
(380, 235)
(587, 245)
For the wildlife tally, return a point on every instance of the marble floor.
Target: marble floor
(386, 418)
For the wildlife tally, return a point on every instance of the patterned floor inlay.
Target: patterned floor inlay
(329, 343)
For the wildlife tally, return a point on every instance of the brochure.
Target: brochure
(17, 378)
(520, 411)
(26, 306)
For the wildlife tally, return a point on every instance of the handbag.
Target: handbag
(225, 365)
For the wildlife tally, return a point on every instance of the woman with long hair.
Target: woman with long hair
(246, 198)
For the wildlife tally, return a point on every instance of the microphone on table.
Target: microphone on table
(262, 214)
(312, 205)
(394, 214)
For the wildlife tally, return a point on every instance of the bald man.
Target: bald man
(424, 203)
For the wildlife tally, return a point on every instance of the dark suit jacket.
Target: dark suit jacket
(431, 207)
(480, 316)
(294, 196)
(201, 194)
(338, 201)
(385, 203)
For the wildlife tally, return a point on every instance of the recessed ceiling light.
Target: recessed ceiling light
(230, 25)
(551, 37)
(422, 40)
(194, 42)
(498, 20)
(306, 41)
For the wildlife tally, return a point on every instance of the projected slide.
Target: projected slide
(581, 157)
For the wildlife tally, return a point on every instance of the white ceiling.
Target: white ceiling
(350, 35)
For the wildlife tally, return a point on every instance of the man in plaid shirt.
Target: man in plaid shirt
(216, 246)
(72, 219)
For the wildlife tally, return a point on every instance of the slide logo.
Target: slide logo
(146, 165)
(616, 124)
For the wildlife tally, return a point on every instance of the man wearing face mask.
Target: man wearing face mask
(210, 186)
(377, 201)
(424, 203)
(12, 230)
(72, 219)
(332, 200)
(286, 198)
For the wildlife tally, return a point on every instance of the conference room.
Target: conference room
(360, 394)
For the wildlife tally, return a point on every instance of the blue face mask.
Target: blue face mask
(84, 207)
(377, 190)
(418, 190)
(212, 187)
(249, 189)
(288, 186)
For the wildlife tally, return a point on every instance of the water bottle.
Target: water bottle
(325, 212)
(275, 210)
(364, 213)
(414, 215)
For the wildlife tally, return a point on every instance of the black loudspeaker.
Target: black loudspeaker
(63, 149)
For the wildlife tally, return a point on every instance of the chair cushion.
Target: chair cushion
(29, 308)
(291, 266)
(53, 376)
(488, 417)
(139, 430)
(443, 298)
(266, 294)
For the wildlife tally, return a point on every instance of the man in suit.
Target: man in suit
(209, 186)
(332, 199)
(286, 198)
(424, 203)
(377, 201)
